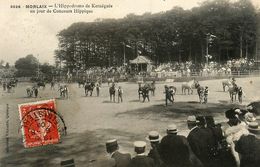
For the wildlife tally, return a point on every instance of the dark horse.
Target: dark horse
(200, 91)
(41, 84)
(112, 92)
(89, 87)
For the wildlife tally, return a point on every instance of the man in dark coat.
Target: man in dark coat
(141, 160)
(121, 160)
(145, 93)
(204, 140)
(35, 89)
(248, 147)
(174, 149)
(154, 137)
(167, 95)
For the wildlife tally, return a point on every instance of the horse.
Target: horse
(226, 83)
(9, 86)
(140, 90)
(112, 92)
(187, 85)
(145, 92)
(89, 87)
(110, 80)
(81, 82)
(64, 92)
(41, 84)
(233, 90)
(152, 87)
(200, 91)
(14, 82)
(29, 91)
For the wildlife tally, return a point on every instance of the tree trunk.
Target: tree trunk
(241, 46)
(246, 49)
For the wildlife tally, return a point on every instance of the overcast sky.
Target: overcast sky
(23, 33)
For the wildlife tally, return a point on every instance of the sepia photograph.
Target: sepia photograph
(130, 83)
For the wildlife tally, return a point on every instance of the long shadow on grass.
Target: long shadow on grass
(82, 147)
(180, 109)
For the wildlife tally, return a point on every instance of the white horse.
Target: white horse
(187, 86)
(227, 83)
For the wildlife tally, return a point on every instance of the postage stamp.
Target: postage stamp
(39, 123)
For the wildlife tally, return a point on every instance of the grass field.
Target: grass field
(93, 120)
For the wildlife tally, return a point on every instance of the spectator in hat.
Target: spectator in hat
(254, 107)
(141, 160)
(204, 139)
(154, 138)
(121, 160)
(174, 149)
(245, 144)
(192, 124)
(234, 116)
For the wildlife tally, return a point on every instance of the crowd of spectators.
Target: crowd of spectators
(241, 66)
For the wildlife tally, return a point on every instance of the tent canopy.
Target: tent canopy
(141, 60)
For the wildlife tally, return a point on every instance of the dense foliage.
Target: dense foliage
(221, 28)
(29, 66)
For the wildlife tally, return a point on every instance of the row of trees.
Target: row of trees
(29, 66)
(221, 28)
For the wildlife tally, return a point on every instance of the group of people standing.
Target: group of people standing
(205, 144)
(7, 86)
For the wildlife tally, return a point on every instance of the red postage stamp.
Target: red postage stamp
(39, 123)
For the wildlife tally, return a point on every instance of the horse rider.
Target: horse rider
(233, 82)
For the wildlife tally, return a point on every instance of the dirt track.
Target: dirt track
(93, 120)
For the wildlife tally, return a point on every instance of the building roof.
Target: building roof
(141, 60)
